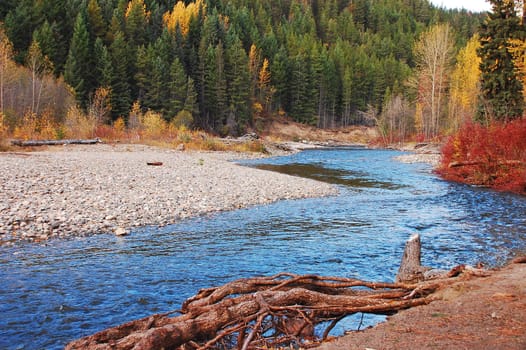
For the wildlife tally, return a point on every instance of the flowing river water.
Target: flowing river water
(55, 292)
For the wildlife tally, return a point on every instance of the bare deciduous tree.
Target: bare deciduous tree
(433, 57)
(39, 65)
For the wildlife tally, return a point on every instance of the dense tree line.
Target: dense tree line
(323, 62)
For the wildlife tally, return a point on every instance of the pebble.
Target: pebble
(86, 190)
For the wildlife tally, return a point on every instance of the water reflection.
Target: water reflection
(343, 177)
(55, 292)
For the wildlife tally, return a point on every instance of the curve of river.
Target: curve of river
(55, 292)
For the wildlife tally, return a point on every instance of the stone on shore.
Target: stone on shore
(85, 190)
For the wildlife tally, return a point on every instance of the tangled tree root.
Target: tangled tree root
(265, 312)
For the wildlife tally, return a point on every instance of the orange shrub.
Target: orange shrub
(493, 156)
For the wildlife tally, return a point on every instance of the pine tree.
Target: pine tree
(279, 75)
(501, 87)
(191, 104)
(103, 66)
(97, 26)
(77, 69)
(178, 88)
(45, 38)
(120, 88)
(237, 74)
(19, 25)
(136, 21)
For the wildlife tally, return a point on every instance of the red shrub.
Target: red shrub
(493, 156)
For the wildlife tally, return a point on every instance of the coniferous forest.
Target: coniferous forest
(223, 65)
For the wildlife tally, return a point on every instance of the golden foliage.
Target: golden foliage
(181, 14)
(518, 51)
(253, 59)
(153, 126)
(34, 127)
(264, 75)
(6, 62)
(119, 125)
(3, 125)
(464, 85)
(79, 125)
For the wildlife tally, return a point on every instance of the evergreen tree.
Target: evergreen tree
(191, 104)
(103, 65)
(178, 88)
(136, 22)
(120, 89)
(502, 97)
(279, 75)
(19, 25)
(97, 26)
(238, 84)
(77, 67)
(45, 38)
(158, 93)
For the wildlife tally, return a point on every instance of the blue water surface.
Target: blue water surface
(58, 291)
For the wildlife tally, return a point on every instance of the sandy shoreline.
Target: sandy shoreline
(83, 190)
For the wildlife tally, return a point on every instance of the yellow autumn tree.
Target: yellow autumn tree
(265, 90)
(464, 85)
(181, 14)
(6, 64)
(517, 47)
(254, 63)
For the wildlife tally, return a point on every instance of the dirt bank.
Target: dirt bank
(481, 313)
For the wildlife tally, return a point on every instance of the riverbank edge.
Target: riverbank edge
(231, 187)
(475, 313)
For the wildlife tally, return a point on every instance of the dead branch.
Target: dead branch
(276, 311)
(498, 163)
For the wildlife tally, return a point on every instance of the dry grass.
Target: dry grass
(141, 127)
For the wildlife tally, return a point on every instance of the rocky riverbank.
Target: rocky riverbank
(421, 153)
(82, 190)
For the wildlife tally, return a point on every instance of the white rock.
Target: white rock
(119, 231)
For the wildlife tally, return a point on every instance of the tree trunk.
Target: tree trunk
(410, 268)
(31, 143)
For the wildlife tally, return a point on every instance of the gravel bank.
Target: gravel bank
(82, 190)
(426, 153)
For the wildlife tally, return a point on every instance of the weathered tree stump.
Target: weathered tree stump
(411, 269)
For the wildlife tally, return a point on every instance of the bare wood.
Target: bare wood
(499, 163)
(34, 143)
(411, 269)
(276, 311)
(247, 306)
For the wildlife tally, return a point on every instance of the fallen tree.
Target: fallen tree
(276, 311)
(33, 143)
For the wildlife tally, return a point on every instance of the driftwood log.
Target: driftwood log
(498, 163)
(32, 143)
(265, 312)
